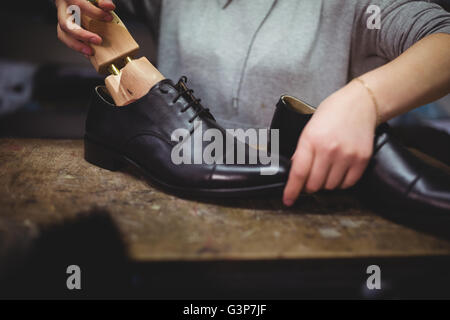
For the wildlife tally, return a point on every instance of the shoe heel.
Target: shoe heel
(101, 156)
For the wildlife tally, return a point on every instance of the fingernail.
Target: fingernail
(288, 202)
(86, 52)
(108, 17)
(95, 40)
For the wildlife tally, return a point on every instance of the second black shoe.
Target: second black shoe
(394, 178)
(141, 135)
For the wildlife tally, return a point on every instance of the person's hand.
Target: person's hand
(78, 38)
(336, 145)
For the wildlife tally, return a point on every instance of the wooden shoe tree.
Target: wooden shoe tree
(130, 79)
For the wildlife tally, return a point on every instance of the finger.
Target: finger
(300, 168)
(336, 175)
(75, 32)
(319, 173)
(74, 43)
(106, 5)
(93, 11)
(354, 174)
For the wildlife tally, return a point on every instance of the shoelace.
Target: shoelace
(194, 102)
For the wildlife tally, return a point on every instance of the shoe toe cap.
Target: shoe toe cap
(247, 176)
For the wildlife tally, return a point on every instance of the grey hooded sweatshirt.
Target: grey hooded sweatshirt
(240, 56)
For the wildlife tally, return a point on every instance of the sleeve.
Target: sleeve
(401, 24)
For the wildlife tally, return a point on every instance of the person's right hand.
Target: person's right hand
(79, 39)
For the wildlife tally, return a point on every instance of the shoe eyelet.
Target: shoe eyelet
(164, 91)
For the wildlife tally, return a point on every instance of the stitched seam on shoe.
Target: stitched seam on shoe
(413, 183)
(381, 146)
(117, 149)
(212, 171)
(149, 133)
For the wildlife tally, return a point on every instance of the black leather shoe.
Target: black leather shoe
(394, 177)
(139, 135)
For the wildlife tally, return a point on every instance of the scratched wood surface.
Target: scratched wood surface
(43, 182)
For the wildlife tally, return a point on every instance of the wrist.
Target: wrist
(373, 98)
(362, 102)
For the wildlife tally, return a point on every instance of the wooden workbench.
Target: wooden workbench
(43, 182)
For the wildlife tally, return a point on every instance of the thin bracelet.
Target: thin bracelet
(372, 96)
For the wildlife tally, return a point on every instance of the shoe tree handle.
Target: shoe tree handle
(129, 79)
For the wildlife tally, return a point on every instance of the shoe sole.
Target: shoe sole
(103, 157)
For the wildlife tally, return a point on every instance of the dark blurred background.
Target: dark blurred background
(45, 87)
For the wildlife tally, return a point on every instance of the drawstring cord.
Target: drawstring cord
(235, 101)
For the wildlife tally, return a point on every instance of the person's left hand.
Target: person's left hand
(335, 146)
